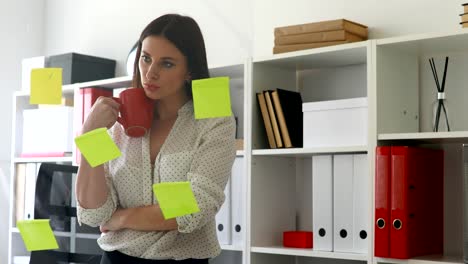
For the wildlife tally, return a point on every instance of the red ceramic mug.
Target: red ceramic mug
(136, 111)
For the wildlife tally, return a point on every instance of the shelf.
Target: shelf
(231, 247)
(88, 236)
(432, 259)
(43, 159)
(332, 56)
(234, 71)
(68, 234)
(56, 233)
(306, 152)
(112, 83)
(429, 42)
(309, 253)
(428, 137)
(66, 90)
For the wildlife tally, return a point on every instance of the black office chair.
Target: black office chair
(53, 201)
(52, 256)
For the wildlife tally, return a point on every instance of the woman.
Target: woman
(118, 196)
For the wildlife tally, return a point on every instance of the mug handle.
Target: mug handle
(119, 118)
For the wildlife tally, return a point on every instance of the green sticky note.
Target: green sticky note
(211, 97)
(46, 86)
(37, 234)
(97, 147)
(175, 199)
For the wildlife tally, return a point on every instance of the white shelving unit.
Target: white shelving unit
(393, 74)
(71, 240)
(280, 183)
(405, 91)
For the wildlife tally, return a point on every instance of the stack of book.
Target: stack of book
(318, 34)
(464, 16)
(281, 111)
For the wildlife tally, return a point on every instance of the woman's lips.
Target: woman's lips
(151, 87)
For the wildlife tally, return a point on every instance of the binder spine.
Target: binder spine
(399, 210)
(322, 204)
(382, 203)
(360, 204)
(417, 202)
(343, 203)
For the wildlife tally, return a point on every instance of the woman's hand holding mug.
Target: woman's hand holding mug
(104, 113)
(133, 110)
(136, 111)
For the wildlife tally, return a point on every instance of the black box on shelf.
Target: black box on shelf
(81, 68)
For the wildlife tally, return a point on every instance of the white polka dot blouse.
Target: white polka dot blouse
(200, 151)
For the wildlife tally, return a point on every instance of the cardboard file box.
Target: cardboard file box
(47, 132)
(81, 68)
(337, 123)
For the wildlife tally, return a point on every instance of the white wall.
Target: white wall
(109, 28)
(21, 31)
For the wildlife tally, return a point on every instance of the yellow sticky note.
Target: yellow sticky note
(46, 86)
(211, 97)
(97, 147)
(175, 199)
(37, 234)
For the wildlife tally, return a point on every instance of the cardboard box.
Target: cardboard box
(336, 123)
(81, 68)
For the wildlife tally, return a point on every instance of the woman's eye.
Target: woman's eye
(145, 58)
(167, 64)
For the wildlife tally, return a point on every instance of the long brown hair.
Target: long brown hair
(185, 34)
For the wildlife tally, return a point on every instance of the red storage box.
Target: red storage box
(297, 239)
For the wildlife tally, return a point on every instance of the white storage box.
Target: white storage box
(336, 123)
(21, 259)
(47, 132)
